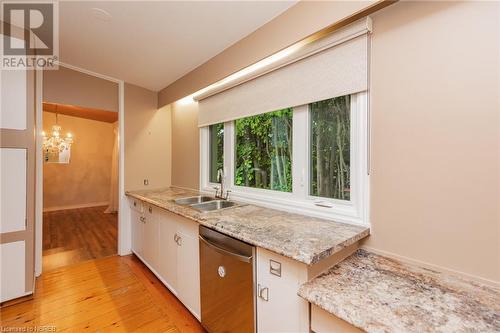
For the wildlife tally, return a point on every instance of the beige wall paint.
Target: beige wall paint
(435, 134)
(435, 173)
(86, 179)
(147, 140)
(66, 86)
(185, 145)
(298, 22)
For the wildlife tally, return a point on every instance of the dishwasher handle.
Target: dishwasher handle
(236, 256)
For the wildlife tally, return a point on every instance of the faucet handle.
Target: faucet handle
(227, 193)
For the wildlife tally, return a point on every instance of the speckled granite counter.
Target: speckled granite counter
(303, 238)
(378, 294)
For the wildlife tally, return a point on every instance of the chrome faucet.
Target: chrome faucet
(219, 191)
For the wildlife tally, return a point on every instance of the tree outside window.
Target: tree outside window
(330, 148)
(264, 151)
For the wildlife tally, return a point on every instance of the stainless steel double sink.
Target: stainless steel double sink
(205, 203)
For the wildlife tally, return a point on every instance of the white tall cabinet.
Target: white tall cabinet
(17, 182)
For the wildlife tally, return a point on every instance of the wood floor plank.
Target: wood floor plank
(113, 294)
(159, 325)
(54, 311)
(169, 303)
(134, 321)
(75, 235)
(65, 297)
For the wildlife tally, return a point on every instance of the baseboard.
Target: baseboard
(22, 298)
(433, 267)
(86, 205)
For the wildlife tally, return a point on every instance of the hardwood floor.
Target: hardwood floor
(114, 294)
(75, 235)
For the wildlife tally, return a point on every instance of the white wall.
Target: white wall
(185, 145)
(435, 181)
(147, 140)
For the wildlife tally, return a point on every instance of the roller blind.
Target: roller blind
(333, 66)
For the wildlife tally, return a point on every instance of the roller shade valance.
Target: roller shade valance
(333, 66)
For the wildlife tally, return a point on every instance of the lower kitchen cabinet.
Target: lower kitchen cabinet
(279, 308)
(188, 271)
(137, 225)
(150, 246)
(168, 251)
(179, 263)
(324, 322)
(168, 245)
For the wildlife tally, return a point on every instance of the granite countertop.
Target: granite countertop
(303, 238)
(378, 294)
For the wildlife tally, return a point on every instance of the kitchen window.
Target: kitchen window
(263, 146)
(329, 148)
(309, 159)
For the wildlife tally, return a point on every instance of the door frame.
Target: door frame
(124, 230)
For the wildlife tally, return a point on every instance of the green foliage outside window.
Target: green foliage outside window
(264, 151)
(330, 148)
(216, 133)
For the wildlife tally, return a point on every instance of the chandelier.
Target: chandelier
(55, 144)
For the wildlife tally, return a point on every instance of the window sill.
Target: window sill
(344, 213)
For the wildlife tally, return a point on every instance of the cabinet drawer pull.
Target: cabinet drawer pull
(150, 209)
(263, 292)
(178, 239)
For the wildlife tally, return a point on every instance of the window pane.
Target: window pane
(330, 148)
(216, 150)
(264, 151)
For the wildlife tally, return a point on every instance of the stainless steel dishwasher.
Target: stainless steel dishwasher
(227, 274)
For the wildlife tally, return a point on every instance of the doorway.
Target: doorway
(79, 168)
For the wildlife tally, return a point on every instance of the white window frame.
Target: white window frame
(353, 211)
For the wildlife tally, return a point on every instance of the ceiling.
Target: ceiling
(153, 43)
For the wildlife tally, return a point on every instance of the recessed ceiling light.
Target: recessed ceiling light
(101, 14)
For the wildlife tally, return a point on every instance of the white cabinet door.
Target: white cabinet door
(13, 190)
(13, 99)
(280, 309)
(12, 270)
(168, 250)
(151, 237)
(188, 272)
(324, 322)
(137, 227)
